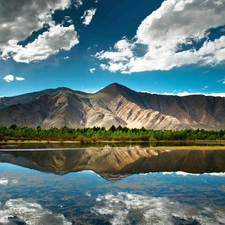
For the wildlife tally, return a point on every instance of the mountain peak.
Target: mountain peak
(114, 88)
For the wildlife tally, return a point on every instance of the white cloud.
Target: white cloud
(217, 174)
(20, 19)
(153, 210)
(67, 19)
(117, 59)
(124, 52)
(92, 70)
(204, 72)
(205, 87)
(103, 66)
(94, 46)
(186, 93)
(50, 42)
(20, 78)
(78, 3)
(87, 16)
(161, 35)
(30, 213)
(8, 78)
(222, 81)
(66, 57)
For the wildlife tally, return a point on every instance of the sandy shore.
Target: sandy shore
(215, 145)
(216, 142)
(37, 142)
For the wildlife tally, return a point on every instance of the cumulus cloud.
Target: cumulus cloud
(50, 42)
(123, 53)
(87, 16)
(20, 78)
(117, 59)
(10, 78)
(92, 70)
(167, 38)
(30, 213)
(153, 210)
(20, 19)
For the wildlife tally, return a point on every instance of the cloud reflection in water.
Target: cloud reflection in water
(126, 208)
(29, 213)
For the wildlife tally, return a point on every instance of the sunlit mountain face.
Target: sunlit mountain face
(113, 105)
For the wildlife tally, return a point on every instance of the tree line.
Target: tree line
(95, 134)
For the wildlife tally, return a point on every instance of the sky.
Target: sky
(166, 47)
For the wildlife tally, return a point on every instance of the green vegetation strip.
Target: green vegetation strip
(100, 134)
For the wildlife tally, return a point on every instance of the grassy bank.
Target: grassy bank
(162, 145)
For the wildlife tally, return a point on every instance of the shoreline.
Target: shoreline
(33, 141)
(215, 145)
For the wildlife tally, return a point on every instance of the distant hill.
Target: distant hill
(113, 105)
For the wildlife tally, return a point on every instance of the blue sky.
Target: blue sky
(174, 46)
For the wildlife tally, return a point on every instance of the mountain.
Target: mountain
(113, 105)
(25, 98)
(117, 163)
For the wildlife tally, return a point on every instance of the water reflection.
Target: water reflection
(118, 161)
(30, 145)
(33, 192)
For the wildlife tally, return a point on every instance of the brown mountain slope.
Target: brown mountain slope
(25, 98)
(53, 110)
(113, 105)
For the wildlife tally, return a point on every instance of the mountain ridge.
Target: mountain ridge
(113, 105)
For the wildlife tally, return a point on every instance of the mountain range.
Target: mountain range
(112, 105)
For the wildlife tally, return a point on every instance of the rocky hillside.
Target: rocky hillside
(113, 105)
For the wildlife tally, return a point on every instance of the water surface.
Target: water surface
(112, 186)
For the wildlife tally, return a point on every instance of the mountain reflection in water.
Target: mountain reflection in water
(58, 187)
(118, 161)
